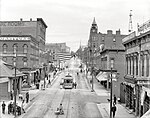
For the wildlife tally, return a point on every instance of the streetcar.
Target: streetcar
(68, 82)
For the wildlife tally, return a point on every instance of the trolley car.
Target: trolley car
(68, 82)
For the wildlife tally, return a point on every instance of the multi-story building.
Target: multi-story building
(137, 82)
(102, 49)
(59, 53)
(27, 40)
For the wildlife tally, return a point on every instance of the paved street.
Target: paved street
(77, 103)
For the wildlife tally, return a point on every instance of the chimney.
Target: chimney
(109, 32)
(20, 19)
(118, 32)
(30, 19)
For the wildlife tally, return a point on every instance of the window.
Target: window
(5, 59)
(142, 58)
(133, 65)
(14, 48)
(25, 63)
(147, 65)
(4, 48)
(136, 65)
(25, 48)
(114, 40)
(127, 64)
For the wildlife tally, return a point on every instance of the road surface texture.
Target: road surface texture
(77, 103)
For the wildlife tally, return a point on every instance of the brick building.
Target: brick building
(27, 40)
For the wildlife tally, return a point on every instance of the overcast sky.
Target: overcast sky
(70, 20)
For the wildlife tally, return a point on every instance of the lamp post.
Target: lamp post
(111, 67)
(15, 85)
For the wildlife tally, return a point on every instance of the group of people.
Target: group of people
(11, 106)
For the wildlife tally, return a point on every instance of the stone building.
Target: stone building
(137, 82)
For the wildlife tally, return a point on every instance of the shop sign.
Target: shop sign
(144, 27)
(11, 23)
(143, 82)
(130, 36)
(15, 38)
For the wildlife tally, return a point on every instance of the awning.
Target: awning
(147, 114)
(102, 76)
(2, 80)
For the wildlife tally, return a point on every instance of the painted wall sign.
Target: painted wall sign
(15, 38)
(11, 23)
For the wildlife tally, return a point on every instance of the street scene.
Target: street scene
(74, 59)
(77, 102)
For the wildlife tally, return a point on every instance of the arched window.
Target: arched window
(25, 48)
(15, 48)
(4, 48)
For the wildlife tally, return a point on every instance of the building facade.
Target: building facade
(137, 80)
(27, 40)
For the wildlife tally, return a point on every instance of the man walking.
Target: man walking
(11, 95)
(3, 107)
(115, 99)
(113, 110)
(27, 97)
(75, 85)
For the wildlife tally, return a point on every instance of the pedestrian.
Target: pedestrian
(19, 110)
(27, 97)
(3, 107)
(75, 85)
(22, 106)
(9, 108)
(115, 99)
(113, 110)
(11, 95)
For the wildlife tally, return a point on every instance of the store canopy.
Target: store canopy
(4, 70)
(102, 76)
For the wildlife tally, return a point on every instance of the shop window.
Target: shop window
(25, 48)
(4, 48)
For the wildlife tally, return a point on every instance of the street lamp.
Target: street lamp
(111, 67)
(15, 85)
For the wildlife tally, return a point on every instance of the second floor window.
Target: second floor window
(25, 48)
(4, 48)
(147, 65)
(142, 58)
(15, 48)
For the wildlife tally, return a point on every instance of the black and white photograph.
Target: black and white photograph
(74, 58)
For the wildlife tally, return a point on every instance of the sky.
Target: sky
(70, 20)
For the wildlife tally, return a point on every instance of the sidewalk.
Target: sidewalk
(104, 107)
(33, 93)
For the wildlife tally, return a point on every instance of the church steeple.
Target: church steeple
(94, 27)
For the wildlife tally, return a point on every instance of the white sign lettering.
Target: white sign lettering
(11, 23)
(144, 27)
(15, 38)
